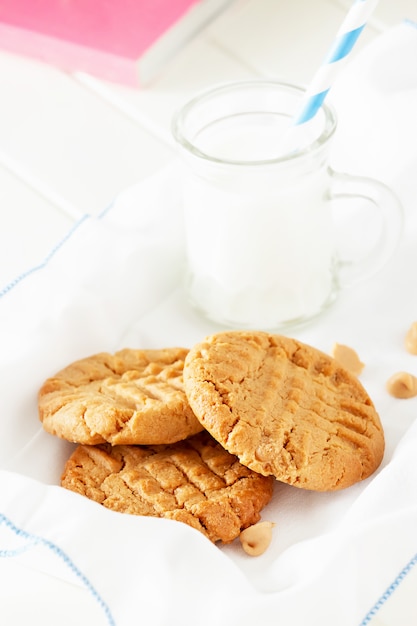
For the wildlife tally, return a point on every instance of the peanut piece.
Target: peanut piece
(256, 539)
(402, 385)
(411, 339)
(348, 358)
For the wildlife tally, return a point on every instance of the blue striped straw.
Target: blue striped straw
(346, 37)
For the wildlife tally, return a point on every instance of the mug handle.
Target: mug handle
(379, 218)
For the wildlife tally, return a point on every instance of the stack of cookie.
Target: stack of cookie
(202, 435)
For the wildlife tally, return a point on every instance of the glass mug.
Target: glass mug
(260, 200)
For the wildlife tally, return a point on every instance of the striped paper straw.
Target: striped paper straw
(346, 38)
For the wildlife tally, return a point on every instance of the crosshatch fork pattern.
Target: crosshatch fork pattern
(194, 481)
(131, 397)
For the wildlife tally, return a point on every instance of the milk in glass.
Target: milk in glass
(259, 238)
(259, 200)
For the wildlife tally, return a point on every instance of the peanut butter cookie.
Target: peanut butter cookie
(194, 481)
(131, 397)
(284, 409)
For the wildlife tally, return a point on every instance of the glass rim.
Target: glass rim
(179, 120)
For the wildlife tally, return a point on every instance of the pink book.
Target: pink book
(127, 41)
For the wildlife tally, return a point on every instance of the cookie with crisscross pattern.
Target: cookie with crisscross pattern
(194, 481)
(284, 409)
(130, 397)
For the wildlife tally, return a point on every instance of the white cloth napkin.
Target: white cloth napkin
(336, 558)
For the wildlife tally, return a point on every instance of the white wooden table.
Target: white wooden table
(70, 142)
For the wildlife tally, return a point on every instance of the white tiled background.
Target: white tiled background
(69, 142)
